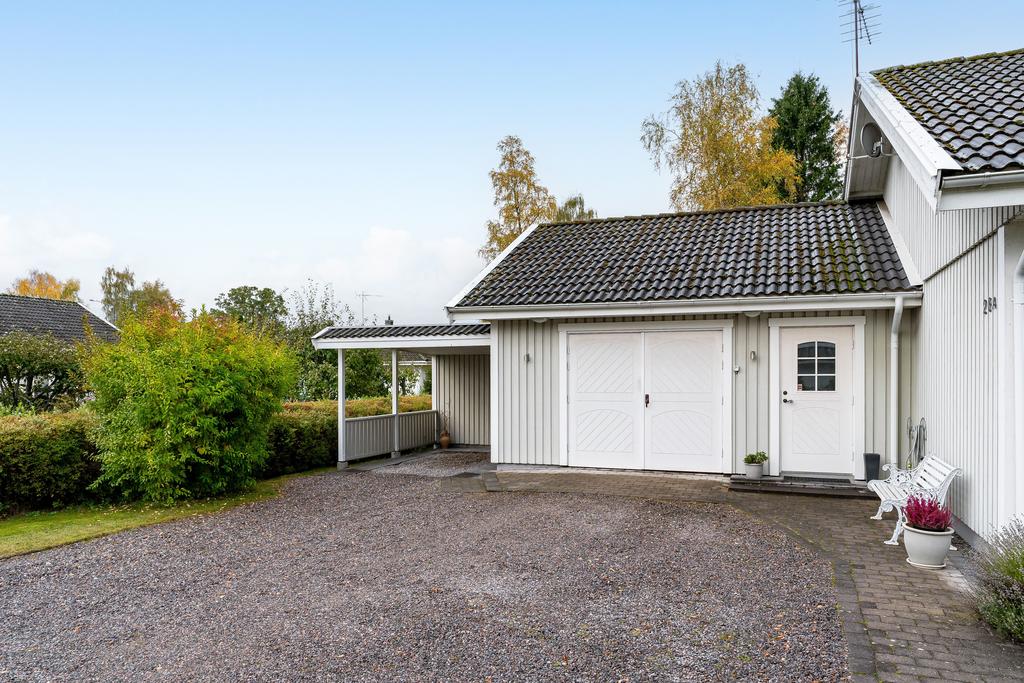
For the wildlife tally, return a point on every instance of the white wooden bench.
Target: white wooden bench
(931, 478)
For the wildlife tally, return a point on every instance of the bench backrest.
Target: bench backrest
(935, 476)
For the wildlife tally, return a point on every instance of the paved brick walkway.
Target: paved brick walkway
(901, 623)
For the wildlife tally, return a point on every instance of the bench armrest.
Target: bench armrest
(898, 477)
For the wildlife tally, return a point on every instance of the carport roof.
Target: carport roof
(421, 338)
(394, 331)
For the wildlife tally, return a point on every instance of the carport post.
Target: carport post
(395, 450)
(342, 462)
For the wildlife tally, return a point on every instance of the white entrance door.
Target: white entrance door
(683, 395)
(816, 401)
(606, 400)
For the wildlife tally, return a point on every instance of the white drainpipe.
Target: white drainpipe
(1018, 381)
(894, 382)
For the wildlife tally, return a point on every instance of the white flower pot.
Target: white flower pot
(927, 549)
(754, 471)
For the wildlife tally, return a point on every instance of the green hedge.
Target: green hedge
(47, 460)
(303, 437)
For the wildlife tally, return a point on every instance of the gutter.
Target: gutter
(983, 180)
(1018, 380)
(729, 305)
(894, 381)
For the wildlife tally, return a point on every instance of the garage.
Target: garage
(652, 399)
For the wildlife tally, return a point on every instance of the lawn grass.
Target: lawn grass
(32, 531)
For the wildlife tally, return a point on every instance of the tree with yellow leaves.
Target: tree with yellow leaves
(716, 145)
(521, 200)
(46, 285)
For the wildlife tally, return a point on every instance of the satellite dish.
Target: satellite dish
(871, 139)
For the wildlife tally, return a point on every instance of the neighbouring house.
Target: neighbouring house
(814, 332)
(67, 321)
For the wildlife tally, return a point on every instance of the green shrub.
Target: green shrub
(303, 437)
(185, 406)
(46, 460)
(39, 372)
(999, 594)
(364, 407)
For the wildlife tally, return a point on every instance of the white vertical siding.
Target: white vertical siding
(526, 396)
(958, 360)
(958, 382)
(935, 239)
(461, 388)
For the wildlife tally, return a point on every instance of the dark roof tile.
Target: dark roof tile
(403, 331)
(972, 106)
(822, 248)
(65, 320)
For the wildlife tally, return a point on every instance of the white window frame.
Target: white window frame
(724, 326)
(857, 322)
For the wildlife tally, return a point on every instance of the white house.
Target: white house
(813, 332)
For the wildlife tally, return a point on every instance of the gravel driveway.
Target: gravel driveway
(358, 577)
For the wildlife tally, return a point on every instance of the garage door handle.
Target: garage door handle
(647, 400)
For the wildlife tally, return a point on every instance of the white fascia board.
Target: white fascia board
(956, 198)
(924, 158)
(909, 267)
(815, 302)
(404, 342)
(489, 267)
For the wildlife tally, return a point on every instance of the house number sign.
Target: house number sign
(988, 304)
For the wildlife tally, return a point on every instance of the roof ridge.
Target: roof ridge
(948, 60)
(42, 298)
(702, 212)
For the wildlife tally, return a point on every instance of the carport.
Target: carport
(460, 387)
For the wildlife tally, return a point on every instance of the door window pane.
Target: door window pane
(816, 366)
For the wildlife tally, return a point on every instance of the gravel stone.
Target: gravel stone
(445, 464)
(355, 577)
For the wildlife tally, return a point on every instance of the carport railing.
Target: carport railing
(366, 437)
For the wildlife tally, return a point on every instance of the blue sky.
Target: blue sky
(217, 144)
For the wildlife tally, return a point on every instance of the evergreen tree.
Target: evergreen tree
(808, 127)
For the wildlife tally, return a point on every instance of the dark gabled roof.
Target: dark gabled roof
(822, 248)
(972, 106)
(397, 331)
(65, 320)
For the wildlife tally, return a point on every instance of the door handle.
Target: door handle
(647, 400)
(786, 400)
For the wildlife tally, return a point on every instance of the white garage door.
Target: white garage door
(646, 400)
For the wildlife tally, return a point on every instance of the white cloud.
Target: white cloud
(48, 245)
(414, 274)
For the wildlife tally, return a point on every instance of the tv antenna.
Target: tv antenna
(363, 296)
(860, 22)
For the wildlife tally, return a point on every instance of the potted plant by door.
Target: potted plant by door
(927, 533)
(754, 464)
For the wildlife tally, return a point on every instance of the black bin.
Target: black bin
(872, 462)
